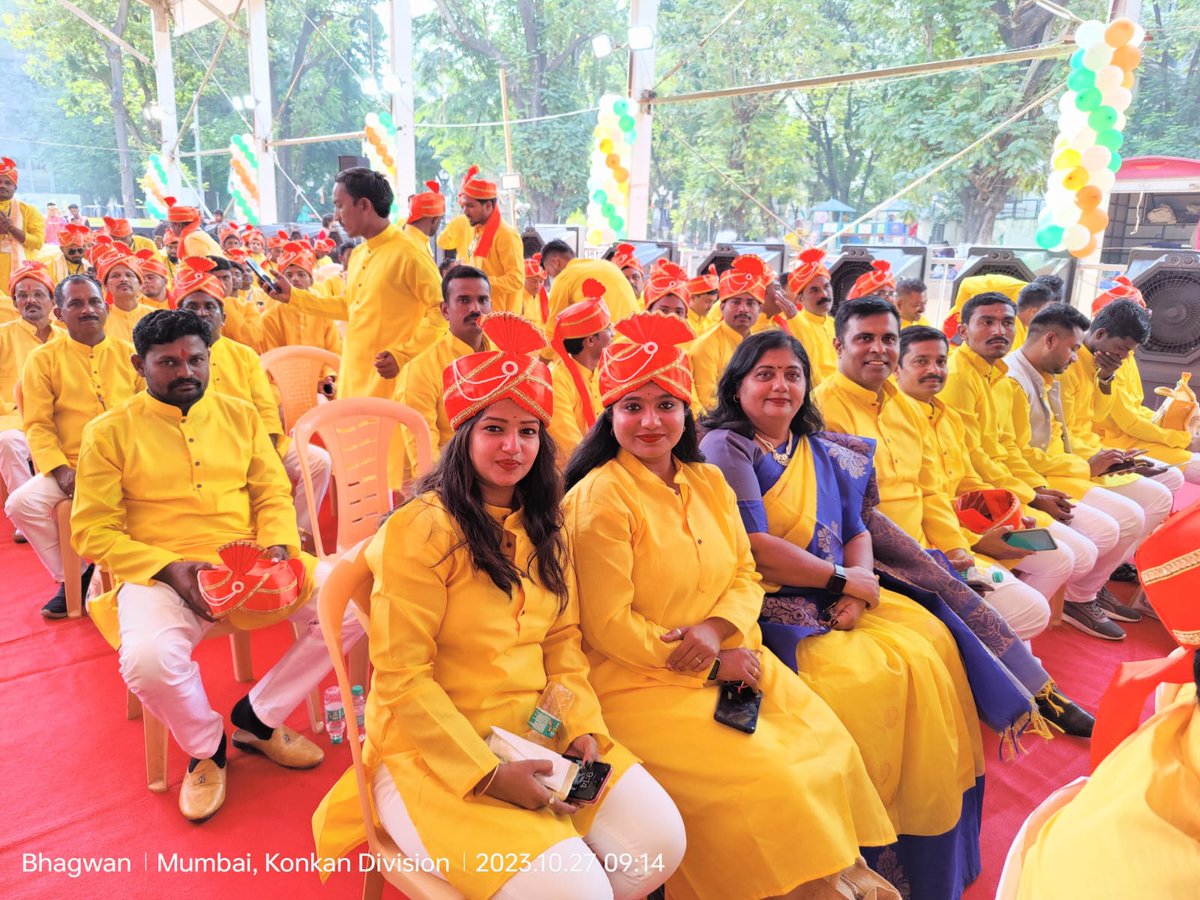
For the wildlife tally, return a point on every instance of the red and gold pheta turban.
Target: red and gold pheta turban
(811, 265)
(295, 253)
(705, 283)
(510, 372)
(195, 276)
(8, 168)
(624, 257)
(427, 204)
(748, 275)
(117, 228)
(666, 278)
(1122, 289)
(653, 355)
(73, 236)
(880, 278)
(31, 268)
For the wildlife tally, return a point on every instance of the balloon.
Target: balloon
(1066, 215)
(608, 209)
(626, 123)
(600, 196)
(1076, 237)
(1096, 158)
(1086, 250)
(1075, 178)
(1103, 118)
(1083, 138)
(1077, 59)
(1082, 79)
(1104, 179)
(1109, 78)
(1120, 99)
(1094, 220)
(1114, 163)
(612, 160)
(1099, 56)
(1127, 81)
(1066, 159)
(1089, 33)
(621, 175)
(595, 238)
(1127, 58)
(1121, 122)
(1088, 100)
(1118, 33)
(1089, 197)
(1112, 139)
(606, 146)
(1050, 237)
(1139, 35)
(621, 107)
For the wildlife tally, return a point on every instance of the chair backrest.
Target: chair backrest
(1014, 863)
(357, 433)
(296, 371)
(350, 580)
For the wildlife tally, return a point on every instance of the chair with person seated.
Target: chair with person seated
(296, 372)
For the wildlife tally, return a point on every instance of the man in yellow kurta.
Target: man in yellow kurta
(567, 288)
(155, 279)
(457, 236)
(22, 232)
(425, 212)
(72, 244)
(535, 299)
(121, 231)
(624, 257)
(974, 285)
(911, 299)
(167, 478)
(812, 326)
(184, 221)
(243, 318)
(120, 272)
(389, 288)
(703, 310)
(581, 333)
(283, 325)
(496, 246)
(66, 383)
(742, 291)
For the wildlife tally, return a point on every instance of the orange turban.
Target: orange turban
(748, 275)
(704, 284)
(625, 257)
(170, 237)
(428, 204)
(237, 254)
(118, 228)
(323, 245)
(475, 188)
(281, 238)
(195, 276)
(510, 372)
(478, 189)
(150, 262)
(8, 168)
(880, 278)
(230, 230)
(297, 254)
(1122, 289)
(811, 265)
(533, 267)
(251, 234)
(666, 278)
(109, 255)
(652, 355)
(31, 268)
(73, 236)
(579, 320)
(188, 216)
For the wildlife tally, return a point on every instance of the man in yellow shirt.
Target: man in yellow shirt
(166, 479)
(467, 299)
(184, 222)
(568, 288)
(229, 236)
(456, 237)
(389, 289)
(742, 292)
(581, 334)
(911, 299)
(812, 326)
(285, 326)
(496, 247)
(243, 318)
(154, 279)
(121, 231)
(878, 282)
(22, 231)
(703, 311)
(235, 370)
(121, 274)
(425, 213)
(555, 256)
(72, 244)
(624, 257)
(535, 300)
(66, 383)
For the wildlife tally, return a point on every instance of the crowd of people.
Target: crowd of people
(785, 559)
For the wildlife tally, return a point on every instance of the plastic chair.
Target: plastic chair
(357, 433)
(1014, 863)
(349, 580)
(296, 371)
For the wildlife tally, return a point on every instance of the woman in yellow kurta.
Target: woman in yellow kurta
(888, 668)
(472, 615)
(669, 602)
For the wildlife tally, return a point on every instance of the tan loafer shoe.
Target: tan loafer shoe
(203, 791)
(285, 748)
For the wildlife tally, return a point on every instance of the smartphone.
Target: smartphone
(589, 781)
(262, 276)
(737, 707)
(1030, 539)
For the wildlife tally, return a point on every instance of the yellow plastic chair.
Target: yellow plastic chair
(295, 372)
(349, 580)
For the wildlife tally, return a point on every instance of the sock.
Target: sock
(244, 717)
(218, 757)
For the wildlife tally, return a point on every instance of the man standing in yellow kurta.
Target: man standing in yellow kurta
(22, 232)
(567, 288)
(624, 257)
(66, 383)
(496, 246)
(283, 325)
(457, 236)
(535, 299)
(389, 288)
(166, 479)
(72, 244)
(582, 331)
(425, 213)
(812, 326)
(184, 221)
(243, 318)
(120, 272)
(743, 292)
(154, 280)
(121, 231)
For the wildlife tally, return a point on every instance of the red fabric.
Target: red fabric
(983, 510)
(511, 371)
(811, 265)
(296, 254)
(705, 283)
(878, 279)
(1122, 289)
(427, 204)
(625, 257)
(194, 276)
(477, 188)
(748, 275)
(8, 168)
(189, 216)
(118, 228)
(31, 268)
(652, 355)
(230, 229)
(150, 262)
(533, 267)
(279, 240)
(73, 236)
(666, 278)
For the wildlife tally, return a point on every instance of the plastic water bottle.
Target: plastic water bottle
(360, 711)
(335, 715)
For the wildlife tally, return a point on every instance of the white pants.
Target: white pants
(31, 510)
(159, 633)
(1148, 498)
(1046, 571)
(14, 459)
(1083, 553)
(1026, 609)
(1172, 479)
(320, 467)
(1115, 525)
(637, 819)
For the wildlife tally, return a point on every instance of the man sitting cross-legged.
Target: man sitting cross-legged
(165, 480)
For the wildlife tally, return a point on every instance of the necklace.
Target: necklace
(782, 458)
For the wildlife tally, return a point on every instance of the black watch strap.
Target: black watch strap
(837, 581)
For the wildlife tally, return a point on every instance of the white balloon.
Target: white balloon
(1097, 57)
(1072, 120)
(1121, 121)
(1096, 158)
(1089, 34)
(1119, 99)
(1066, 103)
(1076, 237)
(1083, 138)
(1103, 179)
(1066, 215)
(1139, 35)
(1109, 77)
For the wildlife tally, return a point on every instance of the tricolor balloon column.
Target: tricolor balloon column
(243, 179)
(1090, 123)
(154, 183)
(379, 141)
(608, 184)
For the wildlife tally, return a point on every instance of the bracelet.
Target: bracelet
(716, 667)
(495, 772)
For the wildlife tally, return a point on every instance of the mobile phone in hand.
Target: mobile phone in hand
(589, 781)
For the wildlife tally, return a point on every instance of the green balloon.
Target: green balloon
(617, 223)
(600, 196)
(1049, 237)
(1089, 99)
(1102, 118)
(1077, 60)
(1112, 139)
(626, 123)
(607, 209)
(1115, 162)
(620, 107)
(1081, 79)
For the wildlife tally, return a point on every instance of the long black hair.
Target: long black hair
(729, 413)
(600, 445)
(539, 495)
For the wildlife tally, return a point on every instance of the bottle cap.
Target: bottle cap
(356, 690)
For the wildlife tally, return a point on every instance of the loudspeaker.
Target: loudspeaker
(352, 162)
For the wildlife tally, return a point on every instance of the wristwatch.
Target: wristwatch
(837, 581)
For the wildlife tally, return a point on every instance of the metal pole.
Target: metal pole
(641, 80)
(199, 173)
(164, 81)
(512, 195)
(400, 52)
(260, 89)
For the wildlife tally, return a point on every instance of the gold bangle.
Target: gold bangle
(495, 772)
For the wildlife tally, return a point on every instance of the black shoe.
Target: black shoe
(1115, 609)
(56, 608)
(1126, 572)
(1065, 715)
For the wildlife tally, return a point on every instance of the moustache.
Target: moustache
(183, 382)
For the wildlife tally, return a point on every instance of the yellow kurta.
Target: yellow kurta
(17, 340)
(1128, 424)
(568, 425)
(568, 288)
(389, 289)
(283, 326)
(815, 334)
(453, 656)
(904, 323)
(709, 354)
(121, 322)
(911, 493)
(156, 486)
(66, 384)
(34, 225)
(243, 322)
(235, 371)
(60, 268)
(701, 324)
(199, 243)
(504, 266)
(1134, 828)
(419, 239)
(650, 560)
(457, 236)
(420, 386)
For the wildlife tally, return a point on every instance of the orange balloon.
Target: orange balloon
(1118, 33)
(1127, 81)
(1087, 250)
(1089, 197)
(1094, 220)
(1075, 178)
(1127, 57)
(612, 160)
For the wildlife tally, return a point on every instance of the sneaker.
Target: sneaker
(56, 607)
(1142, 605)
(1126, 572)
(1115, 609)
(1090, 619)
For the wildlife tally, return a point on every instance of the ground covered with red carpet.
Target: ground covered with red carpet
(74, 785)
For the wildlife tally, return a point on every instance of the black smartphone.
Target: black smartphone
(737, 707)
(589, 781)
(1030, 539)
(262, 276)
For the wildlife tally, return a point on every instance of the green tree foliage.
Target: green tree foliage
(1165, 115)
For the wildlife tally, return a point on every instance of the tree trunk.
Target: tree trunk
(117, 104)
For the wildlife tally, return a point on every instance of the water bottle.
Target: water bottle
(552, 707)
(360, 711)
(335, 715)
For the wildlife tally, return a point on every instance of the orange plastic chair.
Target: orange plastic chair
(357, 433)
(296, 371)
(349, 580)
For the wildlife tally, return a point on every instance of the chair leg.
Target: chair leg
(373, 885)
(360, 664)
(133, 706)
(70, 561)
(156, 753)
(243, 666)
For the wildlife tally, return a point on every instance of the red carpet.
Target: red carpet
(74, 777)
